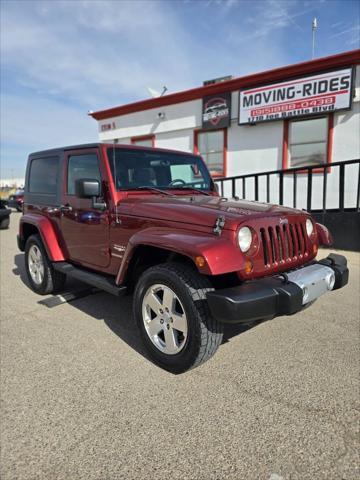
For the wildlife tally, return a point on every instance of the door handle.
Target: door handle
(65, 208)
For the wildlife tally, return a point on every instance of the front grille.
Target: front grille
(283, 242)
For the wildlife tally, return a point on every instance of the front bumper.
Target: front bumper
(283, 294)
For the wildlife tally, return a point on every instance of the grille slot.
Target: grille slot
(265, 250)
(283, 242)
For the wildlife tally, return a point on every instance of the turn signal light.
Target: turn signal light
(248, 267)
(200, 261)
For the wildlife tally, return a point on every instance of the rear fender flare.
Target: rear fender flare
(220, 253)
(47, 233)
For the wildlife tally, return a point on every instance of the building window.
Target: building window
(144, 141)
(307, 142)
(212, 146)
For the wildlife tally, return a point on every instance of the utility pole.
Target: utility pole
(314, 27)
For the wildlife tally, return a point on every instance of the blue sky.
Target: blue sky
(60, 59)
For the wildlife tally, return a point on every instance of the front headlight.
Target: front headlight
(309, 227)
(244, 239)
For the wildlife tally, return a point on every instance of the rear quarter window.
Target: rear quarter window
(43, 175)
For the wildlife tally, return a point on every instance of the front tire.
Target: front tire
(42, 277)
(173, 317)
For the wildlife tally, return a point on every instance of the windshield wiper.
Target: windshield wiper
(180, 187)
(145, 187)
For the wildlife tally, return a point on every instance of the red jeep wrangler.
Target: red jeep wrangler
(125, 217)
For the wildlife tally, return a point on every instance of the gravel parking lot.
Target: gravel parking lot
(81, 401)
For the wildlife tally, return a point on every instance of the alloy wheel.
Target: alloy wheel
(165, 319)
(36, 264)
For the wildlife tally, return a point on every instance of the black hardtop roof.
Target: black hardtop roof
(53, 151)
(61, 149)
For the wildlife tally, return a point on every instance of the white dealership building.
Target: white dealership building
(294, 116)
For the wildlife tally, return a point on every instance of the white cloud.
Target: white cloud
(29, 124)
(65, 57)
(61, 58)
(44, 123)
(94, 51)
(351, 30)
(275, 16)
(100, 53)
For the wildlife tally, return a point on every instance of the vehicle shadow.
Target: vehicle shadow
(115, 312)
(20, 269)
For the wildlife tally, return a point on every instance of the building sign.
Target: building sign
(311, 95)
(216, 112)
(105, 127)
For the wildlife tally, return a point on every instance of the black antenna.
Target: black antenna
(114, 162)
(116, 140)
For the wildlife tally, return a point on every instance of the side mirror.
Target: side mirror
(87, 188)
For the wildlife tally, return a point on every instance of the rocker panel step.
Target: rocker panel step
(94, 279)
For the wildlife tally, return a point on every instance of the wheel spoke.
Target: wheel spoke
(38, 276)
(168, 299)
(154, 327)
(170, 341)
(153, 302)
(179, 322)
(41, 270)
(36, 253)
(32, 256)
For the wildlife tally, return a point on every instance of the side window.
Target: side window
(82, 166)
(43, 175)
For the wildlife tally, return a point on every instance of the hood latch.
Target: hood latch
(219, 225)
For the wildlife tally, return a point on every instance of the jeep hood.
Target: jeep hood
(199, 209)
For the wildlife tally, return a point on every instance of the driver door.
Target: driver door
(85, 230)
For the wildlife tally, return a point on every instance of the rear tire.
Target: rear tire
(5, 224)
(42, 277)
(194, 334)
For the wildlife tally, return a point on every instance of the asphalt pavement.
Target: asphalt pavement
(80, 400)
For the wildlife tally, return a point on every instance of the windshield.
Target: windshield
(132, 168)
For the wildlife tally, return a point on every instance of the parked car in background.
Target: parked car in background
(16, 200)
(4, 215)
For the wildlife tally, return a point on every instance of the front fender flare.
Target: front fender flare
(220, 253)
(47, 233)
(324, 236)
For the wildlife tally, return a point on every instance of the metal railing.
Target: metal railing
(322, 170)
